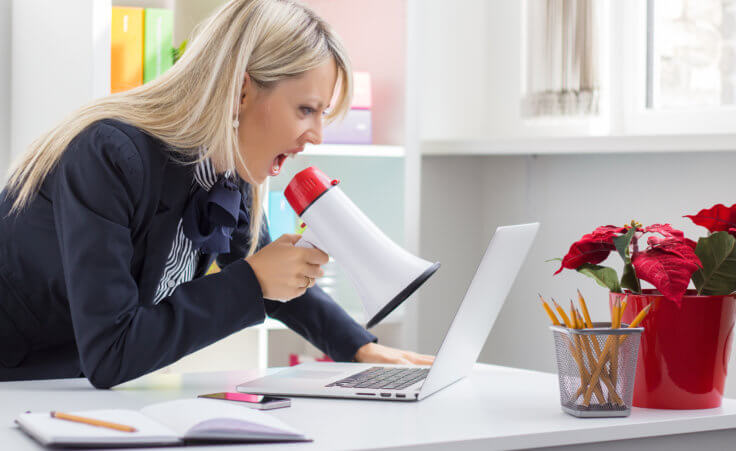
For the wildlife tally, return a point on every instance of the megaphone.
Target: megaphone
(383, 273)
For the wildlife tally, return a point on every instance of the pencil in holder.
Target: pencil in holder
(596, 369)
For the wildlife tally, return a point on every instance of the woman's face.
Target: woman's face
(278, 121)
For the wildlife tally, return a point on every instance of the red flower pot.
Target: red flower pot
(684, 351)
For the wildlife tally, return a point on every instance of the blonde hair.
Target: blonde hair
(192, 105)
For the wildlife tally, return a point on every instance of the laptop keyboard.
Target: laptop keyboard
(386, 378)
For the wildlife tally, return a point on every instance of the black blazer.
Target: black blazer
(79, 267)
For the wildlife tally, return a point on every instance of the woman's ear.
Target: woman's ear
(247, 86)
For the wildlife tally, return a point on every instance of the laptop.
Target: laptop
(459, 350)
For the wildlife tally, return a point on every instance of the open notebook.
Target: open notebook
(167, 423)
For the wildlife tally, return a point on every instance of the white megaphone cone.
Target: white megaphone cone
(383, 273)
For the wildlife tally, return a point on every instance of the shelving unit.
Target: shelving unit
(381, 179)
(591, 145)
(353, 150)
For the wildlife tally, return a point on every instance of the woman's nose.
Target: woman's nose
(315, 135)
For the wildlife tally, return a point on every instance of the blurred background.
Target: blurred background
(471, 114)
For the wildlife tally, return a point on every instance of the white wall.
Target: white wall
(74, 69)
(5, 35)
(465, 198)
(471, 74)
(454, 68)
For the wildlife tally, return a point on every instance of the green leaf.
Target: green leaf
(603, 276)
(629, 279)
(717, 253)
(622, 244)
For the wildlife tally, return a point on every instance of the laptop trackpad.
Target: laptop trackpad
(308, 374)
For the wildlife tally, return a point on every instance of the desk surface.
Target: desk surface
(494, 408)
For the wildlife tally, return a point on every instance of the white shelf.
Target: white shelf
(582, 145)
(354, 150)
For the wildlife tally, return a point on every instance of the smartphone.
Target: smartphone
(263, 402)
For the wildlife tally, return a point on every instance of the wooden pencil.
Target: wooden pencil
(93, 422)
(606, 354)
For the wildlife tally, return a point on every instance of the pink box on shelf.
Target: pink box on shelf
(362, 96)
(362, 99)
(355, 128)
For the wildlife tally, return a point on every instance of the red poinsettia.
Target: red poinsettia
(670, 260)
(668, 263)
(718, 218)
(667, 232)
(592, 248)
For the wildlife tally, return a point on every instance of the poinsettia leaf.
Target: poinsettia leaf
(592, 248)
(665, 230)
(582, 253)
(717, 253)
(603, 276)
(622, 244)
(718, 218)
(668, 267)
(629, 279)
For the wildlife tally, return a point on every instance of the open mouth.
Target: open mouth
(278, 162)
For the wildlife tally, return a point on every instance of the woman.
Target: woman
(111, 219)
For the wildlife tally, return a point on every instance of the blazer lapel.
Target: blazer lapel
(175, 190)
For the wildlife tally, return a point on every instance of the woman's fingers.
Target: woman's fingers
(394, 359)
(313, 271)
(421, 359)
(285, 271)
(315, 256)
(289, 237)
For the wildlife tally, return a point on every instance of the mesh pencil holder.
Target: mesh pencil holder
(596, 369)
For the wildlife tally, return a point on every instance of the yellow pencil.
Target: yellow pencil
(607, 350)
(614, 313)
(574, 316)
(621, 312)
(584, 308)
(549, 311)
(614, 357)
(92, 422)
(581, 321)
(562, 313)
(640, 317)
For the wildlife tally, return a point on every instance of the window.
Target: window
(691, 55)
(676, 68)
(659, 67)
(562, 58)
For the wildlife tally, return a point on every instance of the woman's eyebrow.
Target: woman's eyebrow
(319, 102)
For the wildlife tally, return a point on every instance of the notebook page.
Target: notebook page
(48, 430)
(199, 415)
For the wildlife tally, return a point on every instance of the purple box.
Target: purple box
(354, 129)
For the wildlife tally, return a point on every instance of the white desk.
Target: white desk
(495, 408)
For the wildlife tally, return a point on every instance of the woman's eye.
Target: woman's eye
(307, 110)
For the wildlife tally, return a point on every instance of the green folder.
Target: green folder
(158, 41)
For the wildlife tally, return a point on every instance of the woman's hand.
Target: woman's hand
(375, 353)
(285, 271)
